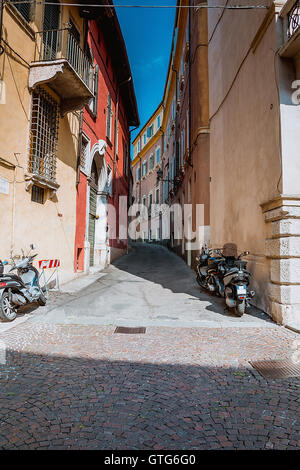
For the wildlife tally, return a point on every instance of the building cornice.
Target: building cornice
(147, 147)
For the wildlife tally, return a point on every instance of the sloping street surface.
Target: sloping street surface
(70, 382)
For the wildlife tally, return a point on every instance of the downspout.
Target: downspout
(1, 21)
(116, 131)
(190, 92)
(79, 147)
(189, 159)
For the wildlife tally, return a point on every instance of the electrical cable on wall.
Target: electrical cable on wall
(228, 7)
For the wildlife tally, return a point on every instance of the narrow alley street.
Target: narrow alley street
(70, 382)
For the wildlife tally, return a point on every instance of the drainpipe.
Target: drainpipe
(190, 92)
(79, 147)
(1, 20)
(116, 131)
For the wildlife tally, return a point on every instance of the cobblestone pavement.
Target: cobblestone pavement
(84, 387)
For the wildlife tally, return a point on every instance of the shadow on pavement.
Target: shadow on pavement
(61, 402)
(157, 264)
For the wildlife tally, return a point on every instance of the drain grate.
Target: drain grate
(280, 369)
(130, 331)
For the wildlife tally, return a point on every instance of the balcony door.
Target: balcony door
(50, 30)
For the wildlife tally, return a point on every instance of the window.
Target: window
(150, 201)
(126, 157)
(151, 162)
(93, 104)
(139, 146)
(23, 9)
(173, 109)
(117, 140)
(189, 190)
(109, 180)
(37, 194)
(182, 145)
(109, 117)
(168, 132)
(144, 201)
(145, 138)
(138, 174)
(83, 151)
(43, 135)
(144, 169)
(158, 122)
(157, 196)
(150, 131)
(157, 155)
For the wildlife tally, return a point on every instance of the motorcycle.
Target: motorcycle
(23, 288)
(226, 276)
(209, 270)
(236, 285)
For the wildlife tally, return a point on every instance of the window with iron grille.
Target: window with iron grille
(24, 9)
(43, 135)
(37, 194)
(109, 117)
(83, 151)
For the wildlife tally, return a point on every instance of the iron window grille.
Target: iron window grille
(37, 194)
(109, 117)
(24, 9)
(83, 151)
(43, 135)
(293, 19)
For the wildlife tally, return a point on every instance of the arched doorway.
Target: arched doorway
(97, 212)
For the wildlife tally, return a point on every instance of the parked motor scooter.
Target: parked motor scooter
(17, 290)
(236, 285)
(226, 275)
(208, 270)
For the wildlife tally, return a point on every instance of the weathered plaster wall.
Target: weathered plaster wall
(245, 153)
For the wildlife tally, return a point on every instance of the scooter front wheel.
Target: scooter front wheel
(7, 309)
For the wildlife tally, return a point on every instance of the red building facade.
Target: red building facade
(103, 179)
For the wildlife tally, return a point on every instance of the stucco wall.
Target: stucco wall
(49, 226)
(245, 157)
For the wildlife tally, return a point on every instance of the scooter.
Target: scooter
(225, 276)
(209, 269)
(236, 285)
(17, 290)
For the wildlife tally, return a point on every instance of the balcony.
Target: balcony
(290, 15)
(60, 63)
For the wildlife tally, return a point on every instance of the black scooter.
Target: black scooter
(236, 284)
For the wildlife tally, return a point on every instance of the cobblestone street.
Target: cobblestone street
(81, 386)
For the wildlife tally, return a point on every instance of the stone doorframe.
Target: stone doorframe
(282, 216)
(99, 149)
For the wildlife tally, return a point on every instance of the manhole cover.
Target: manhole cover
(280, 369)
(130, 331)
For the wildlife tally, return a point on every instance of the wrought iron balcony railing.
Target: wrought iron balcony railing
(293, 19)
(61, 44)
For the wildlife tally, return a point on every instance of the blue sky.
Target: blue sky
(148, 37)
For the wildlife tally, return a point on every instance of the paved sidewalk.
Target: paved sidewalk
(148, 287)
(84, 387)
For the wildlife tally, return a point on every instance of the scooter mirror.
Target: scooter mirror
(32, 246)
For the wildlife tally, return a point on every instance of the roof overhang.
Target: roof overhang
(110, 27)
